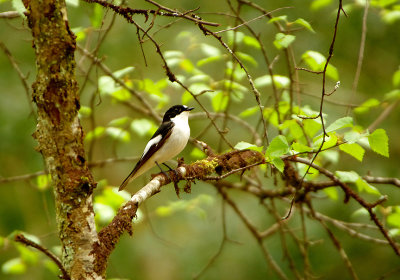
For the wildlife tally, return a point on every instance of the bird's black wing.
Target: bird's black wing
(164, 130)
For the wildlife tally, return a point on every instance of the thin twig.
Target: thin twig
(360, 55)
(22, 239)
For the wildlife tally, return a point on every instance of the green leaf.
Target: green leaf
(280, 81)
(278, 163)
(396, 78)
(354, 150)
(186, 65)
(311, 126)
(304, 23)
(392, 95)
(173, 54)
(278, 147)
(112, 197)
(43, 181)
(234, 35)
(51, 266)
(79, 32)
(379, 142)
(199, 78)
(354, 136)
(361, 212)
(363, 186)
(210, 50)
(282, 41)
(330, 141)
(118, 134)
(96, 133)
(249, 112)
(318, 4)
(186, 97)
(108, 86)
(237, 72)
(96, 18)
(197, 153)
(27, 255)
(219, 101)
(251, 42)
(301, 148)
(197, 88)
(14, 266)
(347, 176)
(247, 58)
(164, 211)
(104, 213)
(340, 123)
(279, 18)
(143, 127)
(121, 95)
(331, 192)
(123, 72)
(247, 146)
(394, 219)
(295, 129)
(316, 61)
(85, 111)
(155, 88)
(364, 108)
(119, 121)
(391, 16)
(331, 156)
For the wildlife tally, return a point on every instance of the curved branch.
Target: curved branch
(220, 164)
(22, 239)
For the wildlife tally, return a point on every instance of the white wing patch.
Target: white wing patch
(152, 142)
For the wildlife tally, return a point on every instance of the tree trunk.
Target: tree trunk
(60, 136)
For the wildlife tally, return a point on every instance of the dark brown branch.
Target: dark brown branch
(127, 12)
(22, 239)
(350, 193)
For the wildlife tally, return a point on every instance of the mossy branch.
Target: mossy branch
(231, 162)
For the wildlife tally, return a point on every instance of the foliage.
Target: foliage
(250, 84)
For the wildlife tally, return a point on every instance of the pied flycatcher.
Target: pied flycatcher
(167, 142)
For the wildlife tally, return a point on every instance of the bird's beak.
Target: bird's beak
(189, 108)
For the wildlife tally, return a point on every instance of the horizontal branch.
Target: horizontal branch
(10, 14)
(127, 12)
(219, 164)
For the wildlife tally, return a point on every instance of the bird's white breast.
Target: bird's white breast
(177, 140)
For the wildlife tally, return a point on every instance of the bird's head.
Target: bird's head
(175, 111)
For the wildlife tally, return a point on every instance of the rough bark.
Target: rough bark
(60, 136)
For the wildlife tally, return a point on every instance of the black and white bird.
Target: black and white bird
(167, 142)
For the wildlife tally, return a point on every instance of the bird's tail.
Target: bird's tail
(130, 177)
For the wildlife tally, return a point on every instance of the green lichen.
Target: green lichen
(208, 165)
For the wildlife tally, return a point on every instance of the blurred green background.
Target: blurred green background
(175, 239)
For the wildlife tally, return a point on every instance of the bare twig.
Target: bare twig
(22, 239)
(10, 14)
(337, 244)
(350, 193)
(270, 261)
(360, 55)
(22, 77)
(385, 113)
